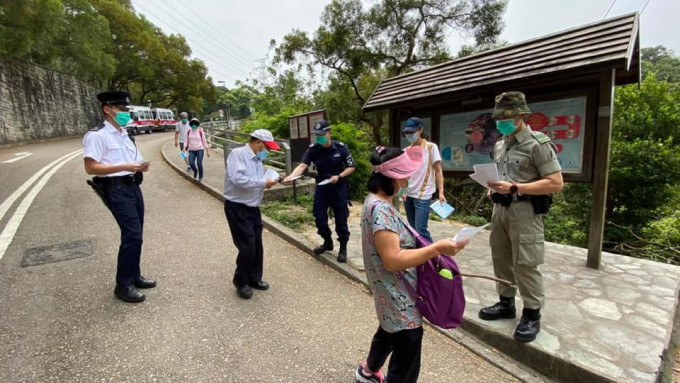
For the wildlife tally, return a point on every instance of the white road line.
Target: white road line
(21, 156)
(7, 204)
(13, 225)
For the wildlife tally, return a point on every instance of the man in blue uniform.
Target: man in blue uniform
(334, 164)
(112, 157)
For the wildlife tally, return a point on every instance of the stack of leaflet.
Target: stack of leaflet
(485, 173)
(466, 233)
(271, 174)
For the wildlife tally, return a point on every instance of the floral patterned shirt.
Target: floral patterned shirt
(395, 309)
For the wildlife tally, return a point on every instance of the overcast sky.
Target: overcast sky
(232, 37)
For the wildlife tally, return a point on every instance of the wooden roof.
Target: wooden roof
(612, 43)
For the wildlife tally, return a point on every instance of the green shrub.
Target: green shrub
(289, 213)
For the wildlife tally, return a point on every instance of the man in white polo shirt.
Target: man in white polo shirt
(180, 132)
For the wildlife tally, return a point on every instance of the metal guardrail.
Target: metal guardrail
(218, 135)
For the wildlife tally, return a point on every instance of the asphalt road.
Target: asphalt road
(59, 321)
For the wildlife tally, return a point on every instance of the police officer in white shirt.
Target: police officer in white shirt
(112, 157)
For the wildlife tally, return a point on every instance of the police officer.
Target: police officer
(333, 163)
(529, 173)
(112, 157)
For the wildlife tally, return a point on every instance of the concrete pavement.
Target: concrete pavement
(61, 323)
(612, 324)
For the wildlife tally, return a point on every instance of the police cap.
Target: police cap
(321, 127)
(510, 104)
(114, 97)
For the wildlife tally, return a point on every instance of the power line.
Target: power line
(610, 8)
(219, 32)
(205, 52)
(208, 36)
(208, 50)
(645, 6)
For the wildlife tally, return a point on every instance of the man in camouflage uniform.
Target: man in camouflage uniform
(529, 173)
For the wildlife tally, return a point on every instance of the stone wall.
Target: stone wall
(38, 103)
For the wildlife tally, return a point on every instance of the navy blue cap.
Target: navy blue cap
(321, 127)
(114, 97)
(413, 124)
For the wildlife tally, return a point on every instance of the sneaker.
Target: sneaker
(188, 169)
(200, 179)
(362, 377)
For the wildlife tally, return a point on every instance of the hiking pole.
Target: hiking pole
(503, 281)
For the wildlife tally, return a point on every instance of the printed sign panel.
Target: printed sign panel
(293, 128)
(467, 139)
(302, 125)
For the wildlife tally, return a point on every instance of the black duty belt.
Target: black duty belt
(128, 179)
(507, 199)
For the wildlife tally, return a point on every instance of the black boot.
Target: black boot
(326, 246)
(505, 309)
(342, 253)
(529, 325)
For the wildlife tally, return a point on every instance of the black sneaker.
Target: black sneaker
(528, 327)
(362, 377)
(505, 309)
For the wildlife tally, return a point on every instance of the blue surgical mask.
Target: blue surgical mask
(122, 118)
(263, 154)
(506, 127)
(321, 140)
(412, 137)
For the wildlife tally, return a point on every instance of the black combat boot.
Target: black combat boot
(326, 246)
(342, 253)
(529, 325)
(505, 309)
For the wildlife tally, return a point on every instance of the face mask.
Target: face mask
(412, 138)
(184, 120)
(263, 154)
(194, 126)
(321, 140)
(506, 127)
(122, 118)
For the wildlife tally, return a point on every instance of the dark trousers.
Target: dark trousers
(245, 224)
(127, 206)
(196, 162)
(335, 197)
(405, 346)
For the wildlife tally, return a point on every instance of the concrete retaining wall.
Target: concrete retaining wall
(39, 103)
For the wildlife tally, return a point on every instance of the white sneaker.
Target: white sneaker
(200, 179)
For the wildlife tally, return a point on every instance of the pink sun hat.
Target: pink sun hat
(402, 166)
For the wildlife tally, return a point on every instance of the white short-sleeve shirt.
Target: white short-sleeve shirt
(416, 189)
(108, 146)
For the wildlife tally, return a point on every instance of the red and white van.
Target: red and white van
(142, 120)
(163, 119)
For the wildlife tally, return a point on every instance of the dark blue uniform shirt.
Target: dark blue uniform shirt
(329, 161)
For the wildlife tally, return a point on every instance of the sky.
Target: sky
(232, 37)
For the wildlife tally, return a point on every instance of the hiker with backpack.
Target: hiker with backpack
(195, 144)
(425, 181)
(391, 251)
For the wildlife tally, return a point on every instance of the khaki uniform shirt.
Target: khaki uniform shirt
(525, 157)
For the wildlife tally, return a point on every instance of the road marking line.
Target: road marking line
(13, 225)
(7, 204)
(21, 156)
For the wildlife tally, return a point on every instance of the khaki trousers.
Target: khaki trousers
(517, 248)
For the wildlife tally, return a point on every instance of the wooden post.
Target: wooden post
(601, 168)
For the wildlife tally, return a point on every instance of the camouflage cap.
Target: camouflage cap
(510, 104)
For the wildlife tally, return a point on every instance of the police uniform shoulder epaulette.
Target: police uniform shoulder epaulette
(340, 143)
(540, 137)
(97, 128)
(311, 145)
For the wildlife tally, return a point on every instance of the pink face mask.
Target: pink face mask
(402, 166)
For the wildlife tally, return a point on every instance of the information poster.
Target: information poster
(467, 139)
(302, 126)
(293, 128)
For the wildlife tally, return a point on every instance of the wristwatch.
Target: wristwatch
(513, 188)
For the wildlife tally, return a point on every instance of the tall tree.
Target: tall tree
(389, 38)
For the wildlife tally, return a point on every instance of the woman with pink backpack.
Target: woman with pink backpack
(392, 250)
(195, 144)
